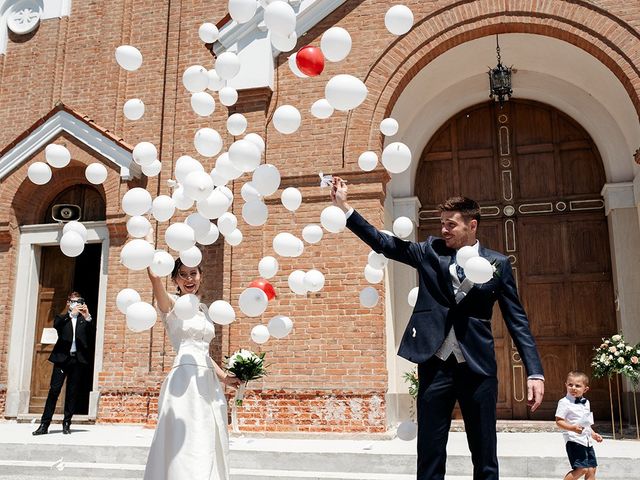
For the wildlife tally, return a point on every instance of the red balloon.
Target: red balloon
(310, 61)
(265, 286)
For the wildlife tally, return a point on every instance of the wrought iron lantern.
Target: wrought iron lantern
(500, 80)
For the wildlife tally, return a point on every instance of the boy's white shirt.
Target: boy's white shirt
(576, 414)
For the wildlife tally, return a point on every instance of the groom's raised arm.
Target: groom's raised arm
(390, 246)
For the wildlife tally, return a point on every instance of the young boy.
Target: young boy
(574, 416)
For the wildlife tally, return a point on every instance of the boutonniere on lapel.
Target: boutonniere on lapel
(496, 270)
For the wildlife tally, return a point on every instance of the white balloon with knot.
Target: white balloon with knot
(234, 238)
(152, 169)
(195, 78)
(396, 157)
(133, 109)
(291, 198)
(402, 227)
(369, 297)
(253, 302)
(141, 316)
(162, 264)
(280, 326)
(287, 119)
(236, 124)
(242, 10)
(333, 219)
(228, 96)
(464, 254)
(125, 298)
(313, 280)
(58, 156)
(266, 179)
(163, 208)
(136, 201)
(137, 254)
(186, 306)
(227, 65)
(286, 244)
(296, 282)
(128, 57)
(138, 226)
(280, 18)
(222, 312)
(208, 32)
(227, 223)
(39, 173)
(96, 173)
(398, 19)
(145, 153)
(268, 267)
(214, 205)
(191, 257)
(373, 275)
(210, 237)
(260, 334)
(368, 161)
(478, 269)
(312, 233)
(244, 155)
(75, 226)
(321, 109)
(226, 169)
(345, 92)
(180, 236)
(208, 142)
(377, 260)
(255, 213)
(335, 44)
(72, 244)
(203, 104)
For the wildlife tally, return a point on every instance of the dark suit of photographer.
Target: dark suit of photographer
(71, 357)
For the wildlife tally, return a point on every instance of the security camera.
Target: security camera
(66, 212)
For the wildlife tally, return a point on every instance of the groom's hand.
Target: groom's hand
(535, 392)
(339, 193)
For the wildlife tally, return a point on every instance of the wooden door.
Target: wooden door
(56, 282)
(538, 177)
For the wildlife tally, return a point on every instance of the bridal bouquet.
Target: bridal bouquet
(614, 355)
(245, 365)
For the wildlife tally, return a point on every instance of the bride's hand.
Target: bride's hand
(231, 381)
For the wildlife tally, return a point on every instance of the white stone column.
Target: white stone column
(400, 280)
(622, 210)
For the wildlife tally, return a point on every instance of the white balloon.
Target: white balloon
(39, 173)
(214, 205)
(345, 92)
(280, 18)
(478, 270)
(133, 109)
(136, 201)
(226, 191)
(96, 173)
(199, 224)
(335, 44)
(72, 244)
(163, 208)
(226, 168)
(313, 280)
(126, 297)
(186, 306)
(412, 298)
(321, 109)
(128, 57)
(377, 260)
(260, 334)
(137, 254)
(227, 223)
(256, 140)
(464, 254)
(296, 282)
(242, 10)
(369, 297)
(227, 65)
(293, 66)
(333, 219)
(234, 238)
(287, 119)
(144, 153)
(402, 227)
(312, 233)
(268, 267)
(210, 237)
(291, 198)
(236, 124)
(217, 178)
(389, 127)
(222, 312)
(141, 316)
(58, 156)
(284, 44)
(255, 213)
(138, 226)
(152, 169)
(203, 103)
(181, 201)
(191, 257)
(280, 326)
(287, 245)
(228, 96)
(398, 19)
(195, 78)
(184, 166)
(253, 302)
(407, 430)
(208, 142)
(75, 226)
(266, 179)
(373, 275)
(244, 155)
(162, 264)
(249, 192)
(208, 32)
(368, 160)
(198, 185)
(396, 157)
(215, 82)
(180, 236)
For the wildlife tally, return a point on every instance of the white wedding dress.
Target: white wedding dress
(191, 440)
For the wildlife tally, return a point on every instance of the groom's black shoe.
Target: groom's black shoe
(66, 427)
(43, 429)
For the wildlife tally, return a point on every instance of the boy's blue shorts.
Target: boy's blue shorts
(581, 456)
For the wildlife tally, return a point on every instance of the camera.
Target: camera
(80, 301)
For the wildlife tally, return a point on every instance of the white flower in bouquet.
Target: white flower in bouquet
(621, 360)
(616, 338)
(245, 366)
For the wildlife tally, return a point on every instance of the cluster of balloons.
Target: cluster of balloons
(476, 268)
(58, 156)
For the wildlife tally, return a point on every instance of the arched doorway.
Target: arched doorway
(537, 175)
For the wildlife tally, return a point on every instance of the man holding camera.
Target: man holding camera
(71, 356)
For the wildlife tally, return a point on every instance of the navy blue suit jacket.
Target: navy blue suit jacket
(85, 339)
(436, 309)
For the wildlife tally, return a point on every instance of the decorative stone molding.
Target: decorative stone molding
(407, 207)
(617, 195)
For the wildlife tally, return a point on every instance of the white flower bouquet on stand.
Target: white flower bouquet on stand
(245, 365)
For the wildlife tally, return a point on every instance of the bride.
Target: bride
(190, 441)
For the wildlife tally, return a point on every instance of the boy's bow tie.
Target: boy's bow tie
(581, 400)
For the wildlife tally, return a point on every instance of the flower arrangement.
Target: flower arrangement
(245, 365)
(614, 355)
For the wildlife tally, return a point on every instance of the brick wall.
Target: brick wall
(330, 374)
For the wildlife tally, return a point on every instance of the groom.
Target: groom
(449, 334)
